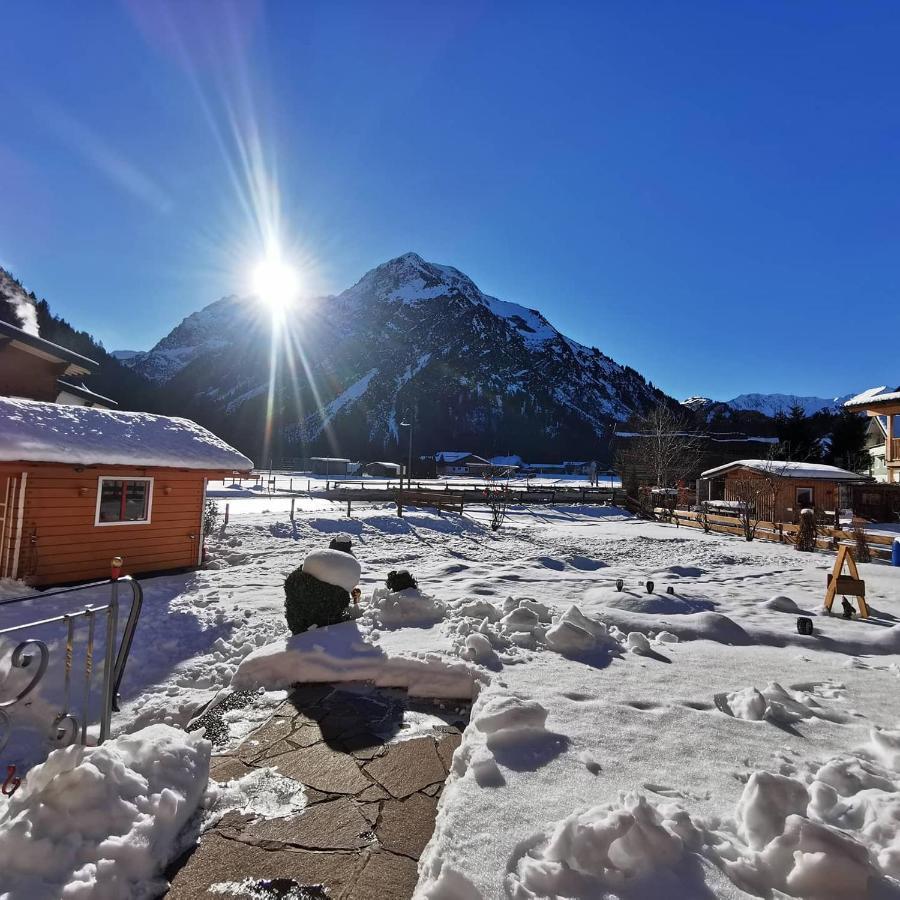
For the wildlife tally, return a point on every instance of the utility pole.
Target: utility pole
(409, 466)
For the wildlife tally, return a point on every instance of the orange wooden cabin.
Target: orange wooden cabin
(81, 485)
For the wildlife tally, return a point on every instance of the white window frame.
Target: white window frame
(100, 481)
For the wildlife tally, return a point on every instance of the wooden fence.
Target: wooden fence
(827, 538)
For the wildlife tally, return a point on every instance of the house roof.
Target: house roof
(31, 431)
(328, 459)
(783, 469)
(874, 397)
(81, 364)
(513, 460)
(453, 456)
(79, 390)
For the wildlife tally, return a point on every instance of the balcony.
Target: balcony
(893, 451)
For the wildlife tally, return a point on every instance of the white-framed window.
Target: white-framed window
(123, 501)
(805, 498)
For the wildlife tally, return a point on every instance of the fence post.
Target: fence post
(291, 486)
(348, 508)
(293, 501)
(226, 514)
(308, 489)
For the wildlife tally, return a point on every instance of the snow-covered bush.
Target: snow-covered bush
(806, 536)
(210, 516)
(310, 602)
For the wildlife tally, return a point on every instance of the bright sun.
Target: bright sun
(275, 282)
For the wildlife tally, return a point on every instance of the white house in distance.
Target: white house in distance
(459, 462)
(883, 402)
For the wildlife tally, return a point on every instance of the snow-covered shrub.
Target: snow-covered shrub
(309, 602)
(400, 580)
(342, 542)
(210, 516)
(806, 536)
(861, 539)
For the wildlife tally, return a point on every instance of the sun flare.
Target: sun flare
(275, 282)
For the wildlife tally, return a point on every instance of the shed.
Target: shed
(329, 465)
(80, 485)
(795, 486)
(383, 469)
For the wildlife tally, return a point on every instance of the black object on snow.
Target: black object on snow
(649, 587)
(342, 543)
(619, 584)
(399, 580)
(804, 625)
(308, 601)
(847, 607)
(670, 589)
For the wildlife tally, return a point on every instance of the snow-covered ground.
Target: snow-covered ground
(644, 744)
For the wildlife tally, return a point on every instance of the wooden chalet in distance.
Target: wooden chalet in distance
(41, 370)
(81, 483)
(829, 490)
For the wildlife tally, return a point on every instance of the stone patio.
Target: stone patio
(372, 765)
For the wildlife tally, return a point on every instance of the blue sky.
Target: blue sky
(705, 191)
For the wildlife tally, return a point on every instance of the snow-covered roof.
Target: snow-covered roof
(874, 397)
(787, 469)
(452, 456)
(81, 435)
(339, 459)
(513, 460)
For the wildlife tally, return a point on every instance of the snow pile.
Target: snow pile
(774, 704)
(52, 432)
(575, 634)
(829, 834)
(341, 653)
(333, 567)
(103, 821)
(410, 608)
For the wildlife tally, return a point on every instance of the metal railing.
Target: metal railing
(33, 655)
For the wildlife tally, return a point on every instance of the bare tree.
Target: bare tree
(497, 496)
(665, 446)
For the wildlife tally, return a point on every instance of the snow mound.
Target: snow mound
(773, 704)
(638, 643)
(333, 567)
(103, 821)
(476, 608)
(341, 653)
(782, 604)
(407, 608)
(507, 713)
(833, 835)
(575, 634)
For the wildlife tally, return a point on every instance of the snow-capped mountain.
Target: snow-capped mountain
(411, 338)
(772, 404)
(767, 404)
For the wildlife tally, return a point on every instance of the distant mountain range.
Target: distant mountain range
(769, 404)
(410, 339)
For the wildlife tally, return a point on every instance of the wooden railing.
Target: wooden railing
(894, 451)
(827, 538)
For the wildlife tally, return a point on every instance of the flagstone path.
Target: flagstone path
(372, 765)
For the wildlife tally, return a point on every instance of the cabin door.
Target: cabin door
(12, 500)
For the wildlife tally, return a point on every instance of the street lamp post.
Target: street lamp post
(409, 466)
